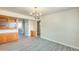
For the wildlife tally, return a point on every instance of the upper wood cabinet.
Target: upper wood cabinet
(11, 20)
(7, 22)
(3, 20)
(7, 19)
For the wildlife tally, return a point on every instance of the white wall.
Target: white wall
(62, 27)
(19, 24)
(27, 27)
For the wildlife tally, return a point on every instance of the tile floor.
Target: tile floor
(34, 44)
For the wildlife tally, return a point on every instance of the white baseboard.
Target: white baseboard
(61, 43)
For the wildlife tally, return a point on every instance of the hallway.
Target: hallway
(34, 44)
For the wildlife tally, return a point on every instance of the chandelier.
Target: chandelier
(36, 14)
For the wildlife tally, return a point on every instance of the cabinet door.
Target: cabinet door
(3, 20)
(33, 34)
(12, 37)
(9, 37)
(15, 36)
(11, 20)
(3, 38)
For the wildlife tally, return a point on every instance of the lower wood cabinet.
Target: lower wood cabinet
(8, 37)
(2, 38)
(33, 34)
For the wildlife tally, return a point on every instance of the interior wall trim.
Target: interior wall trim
(61, 43)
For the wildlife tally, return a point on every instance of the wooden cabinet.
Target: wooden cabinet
(8, 37)
(3, 20)
(12, 36)
(11, 20)
(6, 22)
(3, 39)
(33, 34)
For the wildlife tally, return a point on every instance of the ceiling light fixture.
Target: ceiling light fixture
(36, 13)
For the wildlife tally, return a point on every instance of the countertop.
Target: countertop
(8, 31)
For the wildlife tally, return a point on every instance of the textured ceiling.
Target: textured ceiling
(28, 10)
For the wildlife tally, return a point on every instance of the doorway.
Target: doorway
(23, 28)
(38, 28)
